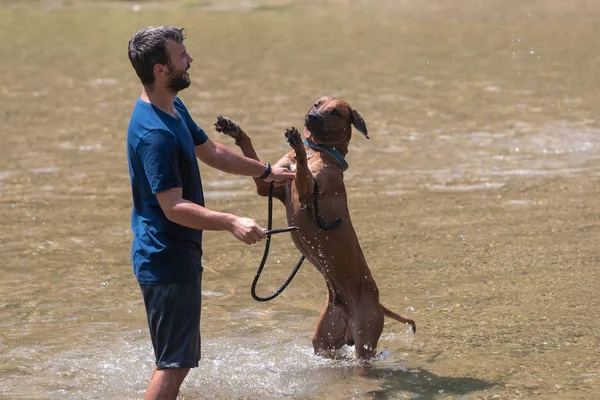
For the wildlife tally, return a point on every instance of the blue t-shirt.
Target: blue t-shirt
(161, 156)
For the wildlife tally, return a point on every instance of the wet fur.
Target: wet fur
(352, 313)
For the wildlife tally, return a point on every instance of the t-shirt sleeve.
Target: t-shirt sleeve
(158, 151)
(198, 135)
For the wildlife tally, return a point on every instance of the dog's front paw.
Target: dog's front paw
(293, 138)
(228, 127)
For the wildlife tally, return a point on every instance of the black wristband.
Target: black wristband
(267, 172)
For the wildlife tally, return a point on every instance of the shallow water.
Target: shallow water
(475, 200)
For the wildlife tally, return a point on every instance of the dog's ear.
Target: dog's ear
(359, 123)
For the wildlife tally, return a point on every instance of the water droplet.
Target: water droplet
(517, 149)
(484, 198)
(129, 311)
(427, 292)
(27, 213)
(496, 169)
(411, 309)
(34, 218)
(12, 205)
(278, 261)
(463, 237)
(531, 52)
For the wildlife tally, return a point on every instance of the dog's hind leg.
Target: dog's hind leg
(331, 329)
(366, 327)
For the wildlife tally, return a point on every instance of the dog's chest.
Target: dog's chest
(314, 163)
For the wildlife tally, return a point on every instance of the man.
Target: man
(168, 214)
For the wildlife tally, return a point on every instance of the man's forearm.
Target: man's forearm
(194, 216)
(231, 162)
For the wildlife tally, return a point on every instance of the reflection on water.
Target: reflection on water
(475, 201)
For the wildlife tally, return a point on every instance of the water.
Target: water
(475, 200)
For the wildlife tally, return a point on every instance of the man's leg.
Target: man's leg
(173, 312)
(165, 384)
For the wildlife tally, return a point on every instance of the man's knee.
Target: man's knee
(173, 377)
(177, 373)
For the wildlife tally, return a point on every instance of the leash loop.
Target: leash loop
(270, 231)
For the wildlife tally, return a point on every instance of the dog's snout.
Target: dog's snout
(316, 123)
(314, 116)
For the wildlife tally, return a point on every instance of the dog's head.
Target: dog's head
(329, 122)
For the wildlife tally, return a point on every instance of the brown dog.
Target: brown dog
(316, 204)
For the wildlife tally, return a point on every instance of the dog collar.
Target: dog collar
(335, 153)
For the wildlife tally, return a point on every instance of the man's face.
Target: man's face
(177, 77)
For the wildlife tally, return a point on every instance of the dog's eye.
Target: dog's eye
(335, 111)
(316, 105)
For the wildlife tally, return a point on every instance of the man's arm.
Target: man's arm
(194, 216)
(222, 158)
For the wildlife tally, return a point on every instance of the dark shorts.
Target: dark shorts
(173, 312)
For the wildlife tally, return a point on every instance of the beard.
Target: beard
(178, 80)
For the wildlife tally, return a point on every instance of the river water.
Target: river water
(475, 200)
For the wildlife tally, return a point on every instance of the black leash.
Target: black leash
(319, 219)
(270, 231)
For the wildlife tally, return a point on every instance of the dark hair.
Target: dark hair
(148, 47)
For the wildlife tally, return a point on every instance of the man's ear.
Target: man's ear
(359, 123)
(161, 69)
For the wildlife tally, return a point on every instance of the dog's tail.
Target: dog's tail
(393, 315)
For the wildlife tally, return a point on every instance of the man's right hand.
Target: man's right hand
(280, 176)
(247, 230)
